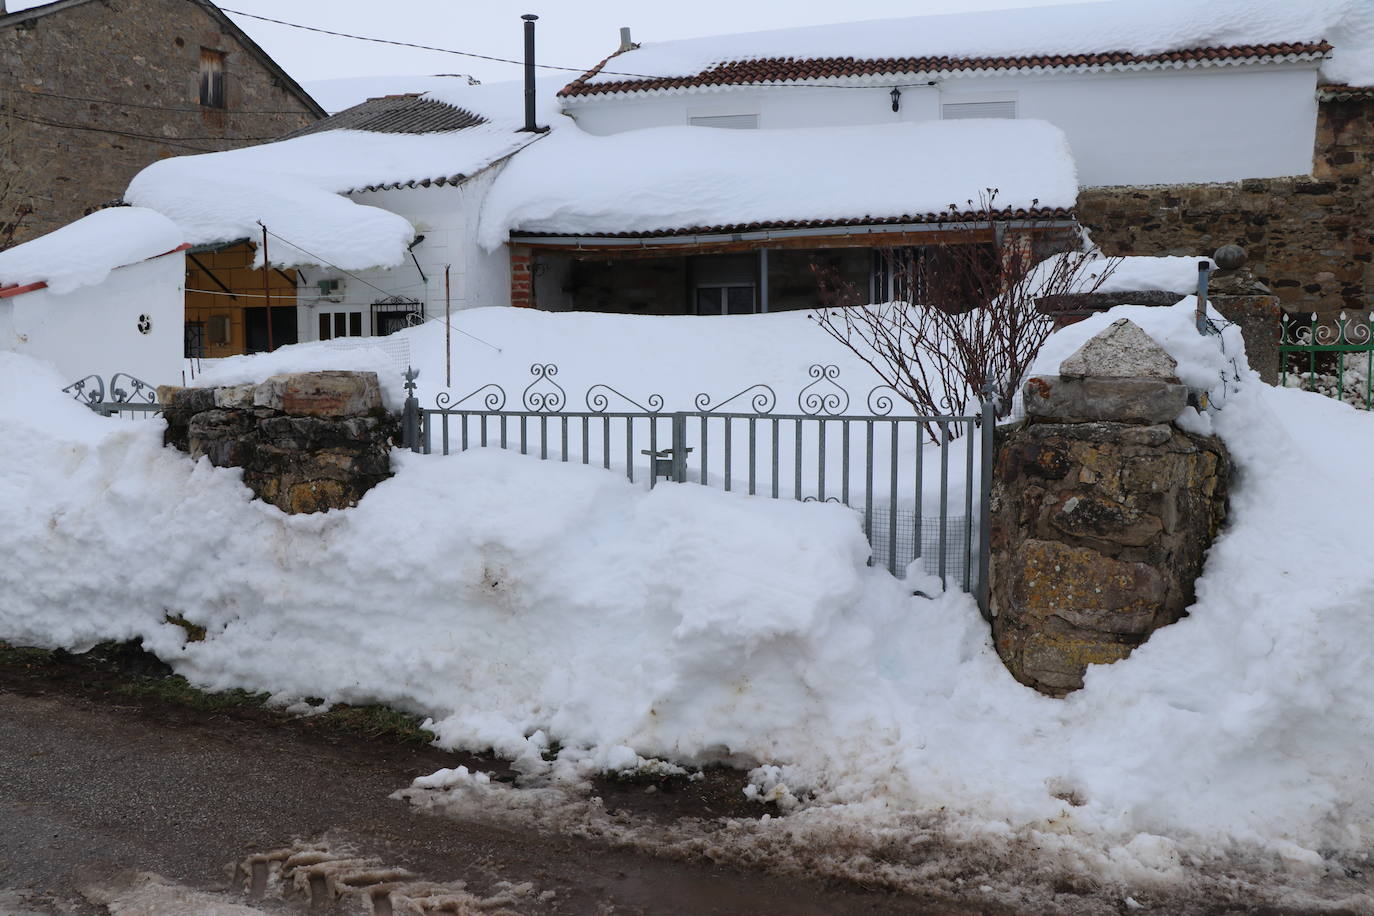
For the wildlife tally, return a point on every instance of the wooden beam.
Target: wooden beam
(652, 248)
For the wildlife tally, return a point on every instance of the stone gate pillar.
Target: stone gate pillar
(1102, 511)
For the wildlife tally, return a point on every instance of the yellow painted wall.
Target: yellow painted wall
(232, 266)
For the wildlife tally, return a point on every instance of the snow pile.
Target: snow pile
(1171, 274)
(84, 252)
(296, 187)
(520, 603)
(1136, 26)
(685, 177)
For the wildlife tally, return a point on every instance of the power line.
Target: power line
(127, 104)
(151, 138)
(781, 84)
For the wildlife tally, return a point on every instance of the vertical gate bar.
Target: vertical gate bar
(464, 445)
(653, 453)
(679, 433)
(987, 434)
(586, 444)
(429, 429)
(606, 442)
(505, 439)
(944, 500)
(820, 472)
(630, 448)
(1340, 359)
(543, 437)
(892, 500)
(483, 433)
(753, 456)
(775, 458)
(968, 508)
(844, 462)
(1312, 356)
(868, 482)
(524, 437)
(797, 461)
(704, 424)
(919, 489)
(564, 424)
(444, 435)
(727, 453)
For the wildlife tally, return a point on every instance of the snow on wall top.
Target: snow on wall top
(674, 178)
(84, 252)
(296, 187)
(1139, 27)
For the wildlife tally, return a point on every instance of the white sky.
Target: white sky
(571, 34)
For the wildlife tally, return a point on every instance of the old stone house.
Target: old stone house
(93, 91)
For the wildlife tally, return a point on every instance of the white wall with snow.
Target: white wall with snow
(94, 329)
(1153, 127)
(447, 218)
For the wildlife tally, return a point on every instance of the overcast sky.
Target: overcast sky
(571, 34)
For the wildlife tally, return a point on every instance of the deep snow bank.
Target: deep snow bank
(519, 602)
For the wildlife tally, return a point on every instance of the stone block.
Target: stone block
(235, 397)
(1122, 350)
(1126, 400)
(321, 394)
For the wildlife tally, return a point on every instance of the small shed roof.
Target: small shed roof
(84, 252)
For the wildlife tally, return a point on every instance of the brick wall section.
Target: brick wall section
(521, 277)
(1309, 238)
(143, 51)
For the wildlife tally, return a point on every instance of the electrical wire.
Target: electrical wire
(120, 103)
(152, 138)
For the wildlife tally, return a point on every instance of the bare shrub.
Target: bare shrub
(964, 323)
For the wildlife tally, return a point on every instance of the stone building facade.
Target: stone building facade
(93, 91)
(1309, 238)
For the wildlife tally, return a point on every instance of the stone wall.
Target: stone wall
(1102, 513)
(1309, 238)
(307, 442)
(66, 72)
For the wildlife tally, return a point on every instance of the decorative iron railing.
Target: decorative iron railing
(124, 395)
(1330, 357)
(920, 492)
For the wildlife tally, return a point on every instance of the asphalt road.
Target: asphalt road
(91, 791)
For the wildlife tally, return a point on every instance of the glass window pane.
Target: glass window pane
(741, 300)
(324, 326)
(709, 300)
(355, 324)
(340, 324)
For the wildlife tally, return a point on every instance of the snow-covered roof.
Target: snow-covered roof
(84, 252)
(1124, 34)
(296, 186)
(671, 180)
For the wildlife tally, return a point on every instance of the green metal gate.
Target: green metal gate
(1334, 357)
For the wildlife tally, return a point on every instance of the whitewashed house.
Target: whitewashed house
(100, 297)
(713, 175)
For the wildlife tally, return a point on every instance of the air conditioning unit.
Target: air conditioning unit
(331, 290)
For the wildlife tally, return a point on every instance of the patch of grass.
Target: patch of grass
(378, 723)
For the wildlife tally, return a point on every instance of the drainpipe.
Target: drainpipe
(530, 123)
(763, 279)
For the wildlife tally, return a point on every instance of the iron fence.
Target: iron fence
(124, 395)
(918, 483)
(1334, 358)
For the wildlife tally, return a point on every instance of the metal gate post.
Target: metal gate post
(410, 417)
(988, 431)
(680, 447)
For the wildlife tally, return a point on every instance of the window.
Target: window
(212, 78)
(340, 324)
(733, 122)
(721, 299)
(952, 111)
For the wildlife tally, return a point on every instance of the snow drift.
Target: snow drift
(518, 603)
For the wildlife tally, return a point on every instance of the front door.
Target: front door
(255, 327)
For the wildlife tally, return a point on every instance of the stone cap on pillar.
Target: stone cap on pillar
(1122, 375)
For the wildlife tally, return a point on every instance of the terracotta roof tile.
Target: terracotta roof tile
(789, 69)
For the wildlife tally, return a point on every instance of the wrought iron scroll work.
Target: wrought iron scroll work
(823, 396)
(137, 392)
(551, 398)
(598, 399)
(493, 398)
(78, 390)
(762, 399)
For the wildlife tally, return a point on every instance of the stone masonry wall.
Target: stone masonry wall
(307, 442)
(1309, 238)
(142, 52)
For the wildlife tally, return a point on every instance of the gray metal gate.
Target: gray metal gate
(919, 483)
(124, 395)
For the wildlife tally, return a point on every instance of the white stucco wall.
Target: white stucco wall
(93, 330)
(447, 218)
(1149, 127)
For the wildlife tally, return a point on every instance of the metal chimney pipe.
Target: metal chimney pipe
(625, 43)
(530, 124)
